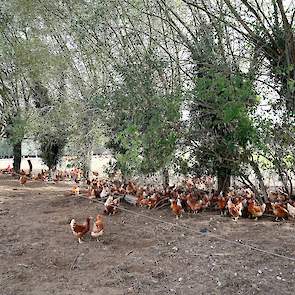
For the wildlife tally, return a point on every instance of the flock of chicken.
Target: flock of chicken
(184, 198)
(191, 196)
(188, 197)
(61, 175)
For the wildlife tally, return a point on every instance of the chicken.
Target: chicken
(39, 176)
(44, 175)
(80, 230)
(75, 190)
(88, 182)
(153, 200)
(268, 209)
(214, 199)
(221, 203)
(282, 196)
(116, 191)
(143, 201)
(291, 210)
(121, 190)
(279, 211)
(91, 193)
(255, 210)
(22, 172)
(111, 205)
(97, 190)
(176, 207)
(275, 196)
(206, 202)
(98, 227)
(8, 170)
(248, 194)
(23, 180)
(189, 184)
(131, 188)
(235, 210)
(104, 193)
(193, 204)
(109, 200)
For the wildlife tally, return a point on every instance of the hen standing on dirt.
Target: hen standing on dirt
(23, 180)
(98, 227)
(80, 230)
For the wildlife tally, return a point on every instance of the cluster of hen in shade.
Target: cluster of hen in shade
(192, 196)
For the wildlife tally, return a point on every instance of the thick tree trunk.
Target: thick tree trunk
(86, 148)
(124, 178)
(223, 179)
(17, 156)
(50, 173)
(260, 178)
(86, 162)
(31, 166)
(165, 174)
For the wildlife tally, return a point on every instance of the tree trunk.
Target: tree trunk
(246, 181)
(283, 178)
(86, 147)
(165, 174)
(223, 179)
(291, 186)
(124, 178)
(260, 178)
(17, 156)
(86, 162)
(51, 171)
(31, 166)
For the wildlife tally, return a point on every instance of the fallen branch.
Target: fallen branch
(74, 263)
(132, 200)
(130, 252)
(162, 203)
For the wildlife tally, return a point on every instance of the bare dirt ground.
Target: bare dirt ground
(39, 255)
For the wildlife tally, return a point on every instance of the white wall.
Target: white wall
(98, 163)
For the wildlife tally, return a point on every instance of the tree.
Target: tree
(26, 58)
(158, 78)
(276, 142)
(221, 128)
(143, 119)
(268, 26)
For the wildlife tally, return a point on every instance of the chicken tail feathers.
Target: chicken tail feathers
(72, 224)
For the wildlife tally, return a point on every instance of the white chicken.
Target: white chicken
(104, 193)
(111, 205)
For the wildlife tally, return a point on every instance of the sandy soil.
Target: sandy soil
(39, 255)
